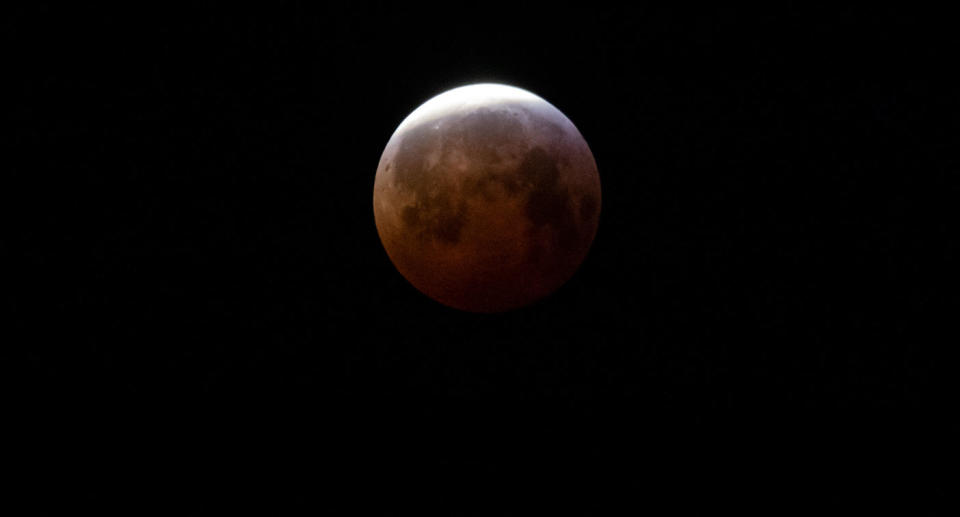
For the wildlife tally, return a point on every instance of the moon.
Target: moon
(487, 198)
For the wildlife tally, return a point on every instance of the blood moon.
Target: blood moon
(486, 198)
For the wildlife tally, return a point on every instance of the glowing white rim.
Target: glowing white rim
(466, 98)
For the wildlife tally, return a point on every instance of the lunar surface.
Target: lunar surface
(486, 198)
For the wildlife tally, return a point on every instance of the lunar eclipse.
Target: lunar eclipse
(487, 198)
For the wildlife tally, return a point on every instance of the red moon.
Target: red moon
(487, 198)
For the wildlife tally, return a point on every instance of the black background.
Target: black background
(201, 307)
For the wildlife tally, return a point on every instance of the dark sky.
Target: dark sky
(198, 288)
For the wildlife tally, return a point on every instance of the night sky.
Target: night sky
(200, 307)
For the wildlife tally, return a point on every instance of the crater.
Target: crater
(436, 217)
(483, 134)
